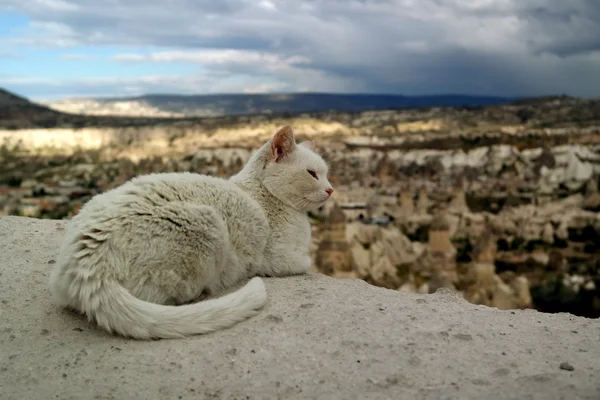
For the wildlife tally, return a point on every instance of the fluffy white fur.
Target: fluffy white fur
(133, 256)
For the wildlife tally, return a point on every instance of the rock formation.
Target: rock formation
(333, 254)
(536, 187)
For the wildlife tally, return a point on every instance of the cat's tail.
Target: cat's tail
(116, 310)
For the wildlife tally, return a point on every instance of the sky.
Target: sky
(52, 49)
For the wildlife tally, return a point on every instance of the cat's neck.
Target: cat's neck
(248, 179)
(253, 167)
(258, 192)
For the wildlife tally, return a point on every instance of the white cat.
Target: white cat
(134, 255)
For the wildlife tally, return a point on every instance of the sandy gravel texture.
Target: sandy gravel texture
(318, 338)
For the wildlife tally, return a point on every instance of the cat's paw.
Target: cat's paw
(302, 266)
(307, 263)
(295, 265)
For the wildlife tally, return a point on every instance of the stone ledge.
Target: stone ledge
(318, 337)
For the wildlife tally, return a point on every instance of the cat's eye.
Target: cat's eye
(313, 173)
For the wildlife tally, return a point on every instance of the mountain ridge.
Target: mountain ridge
(17, 112)
(203, 105)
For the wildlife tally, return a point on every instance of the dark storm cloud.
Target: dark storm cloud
(563, 28)
(506, 47)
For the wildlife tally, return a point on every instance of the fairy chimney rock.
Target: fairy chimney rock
(406, 203)
(333, 253)
(439, 234)
(485, 248)
(458, 203)
(423, 201)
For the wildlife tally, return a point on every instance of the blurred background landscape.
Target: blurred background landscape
(463, 139)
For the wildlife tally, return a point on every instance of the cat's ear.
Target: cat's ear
(309, 144)
(283, 143)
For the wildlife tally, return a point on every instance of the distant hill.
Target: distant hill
(161, 105)
(458, 112)
(18, 112)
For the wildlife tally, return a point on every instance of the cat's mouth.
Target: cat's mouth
(317, 200)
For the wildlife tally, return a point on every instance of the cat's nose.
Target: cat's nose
(329, 191)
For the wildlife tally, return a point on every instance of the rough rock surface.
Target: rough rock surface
(318, 337)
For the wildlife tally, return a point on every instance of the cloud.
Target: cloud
(204, 82)
(11, 55)
(107, 86)
(217, 57)
(78, 57)
(504, 47)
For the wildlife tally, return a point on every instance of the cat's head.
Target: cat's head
(294, 173)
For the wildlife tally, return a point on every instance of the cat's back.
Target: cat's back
(154, 190)
(142, 194)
